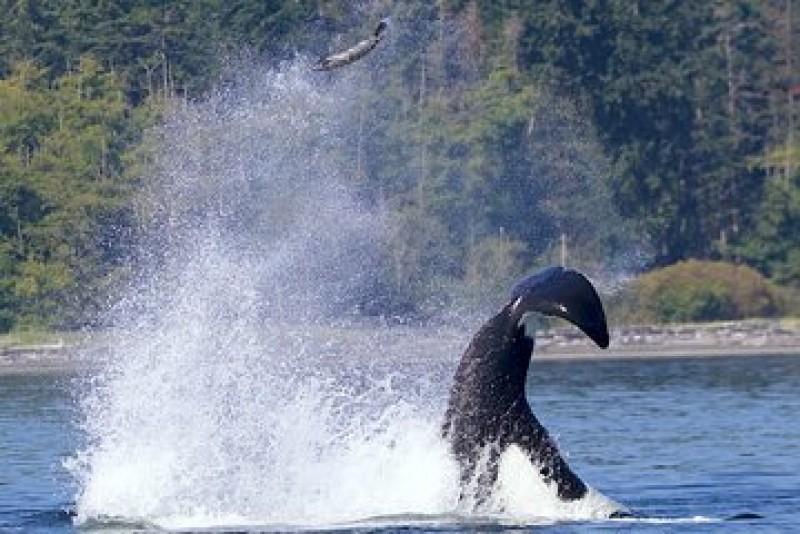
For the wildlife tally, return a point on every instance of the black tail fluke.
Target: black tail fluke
(566, 294)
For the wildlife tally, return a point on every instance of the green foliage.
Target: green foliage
(62, 178)
(282, 28)
(488, 131)
(772, 243)
(154, 48)
(483, 157)
(704, 291)
(683, 95)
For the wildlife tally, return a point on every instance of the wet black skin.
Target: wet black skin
(487, 409)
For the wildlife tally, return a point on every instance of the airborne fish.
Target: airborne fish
(356, 52)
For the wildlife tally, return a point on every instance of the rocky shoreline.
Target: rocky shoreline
(754, 337)
(37, 358)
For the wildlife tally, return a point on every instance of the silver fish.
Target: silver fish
(356, 52)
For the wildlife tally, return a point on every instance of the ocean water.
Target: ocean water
(241, 394)
(688, 444)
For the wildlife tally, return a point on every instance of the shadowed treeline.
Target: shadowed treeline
(491, 137)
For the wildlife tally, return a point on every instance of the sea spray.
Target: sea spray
(236, 391)
(226, 396)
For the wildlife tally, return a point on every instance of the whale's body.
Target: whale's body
(487, 410)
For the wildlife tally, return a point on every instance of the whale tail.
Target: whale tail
(563, 293)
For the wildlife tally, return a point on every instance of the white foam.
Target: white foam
(226, 398)
(522, 493)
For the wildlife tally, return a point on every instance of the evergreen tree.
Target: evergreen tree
(62, 179)
(476, 131)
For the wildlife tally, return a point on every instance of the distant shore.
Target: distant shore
(734, 338)
(737, 338)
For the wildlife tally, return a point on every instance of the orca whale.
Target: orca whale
(356, 52)
(487, 410)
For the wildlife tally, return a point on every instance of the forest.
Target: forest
(506, 129)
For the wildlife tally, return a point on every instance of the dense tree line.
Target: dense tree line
(63, 189)
(502, 127)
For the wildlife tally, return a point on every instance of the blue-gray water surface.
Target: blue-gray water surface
(687, 443)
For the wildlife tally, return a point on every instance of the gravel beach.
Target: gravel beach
(754, 337)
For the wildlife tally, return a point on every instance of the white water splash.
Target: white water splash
(519, 485)
(228, 398)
